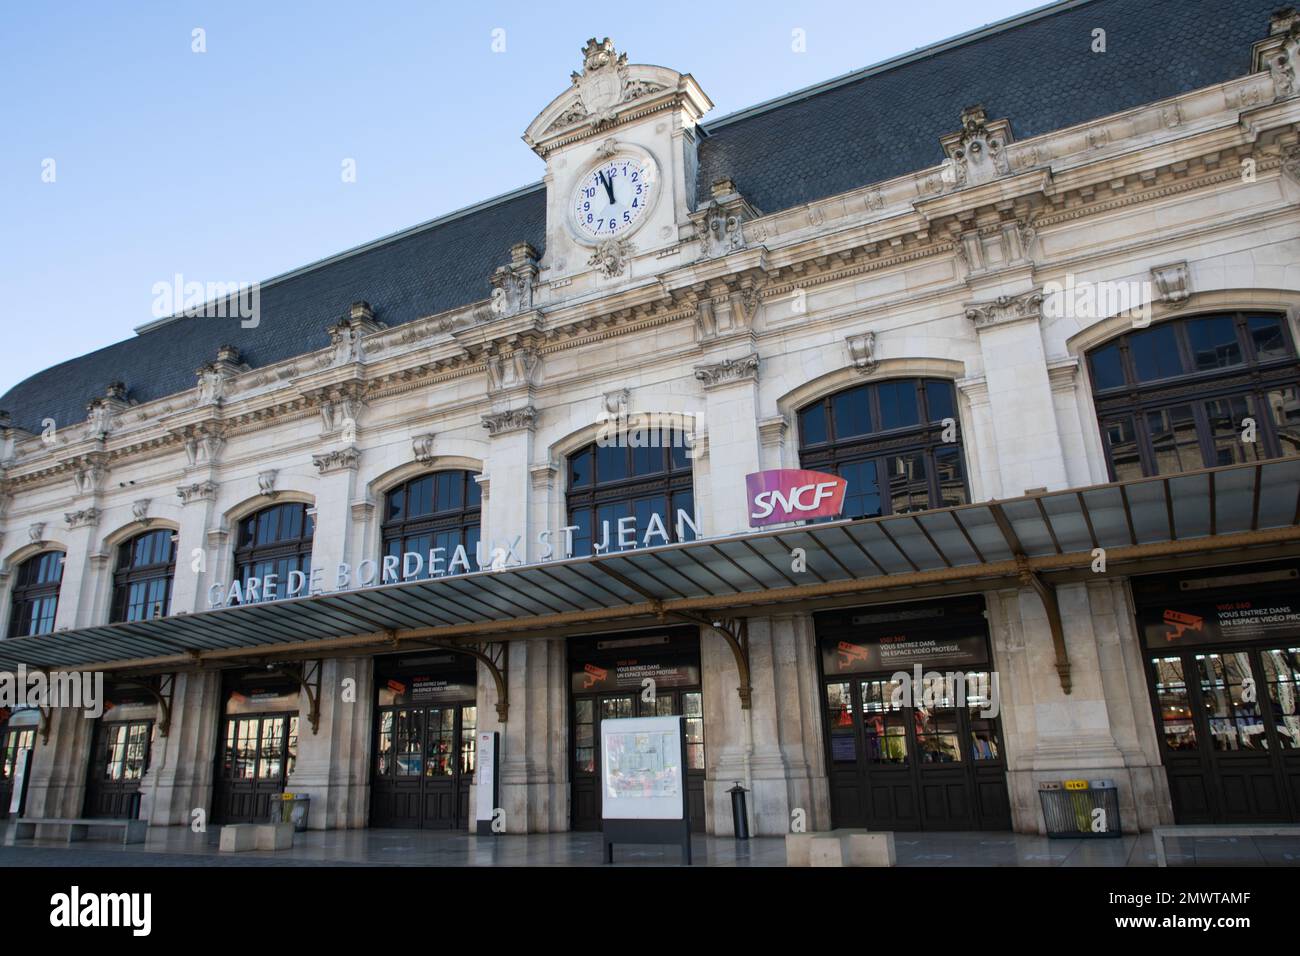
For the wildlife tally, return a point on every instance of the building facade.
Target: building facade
(1088, 284)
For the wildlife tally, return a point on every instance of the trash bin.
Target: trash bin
(293, 808)
(739, 812)
(1081, 809)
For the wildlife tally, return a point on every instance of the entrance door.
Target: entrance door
(256, 758)
(588, 712)
(934, 764)
(1230, 731)
(118, 761)
(425, 759)
(12, 740)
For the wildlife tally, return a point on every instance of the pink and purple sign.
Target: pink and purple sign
(792, 494)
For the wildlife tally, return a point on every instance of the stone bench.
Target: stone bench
(1160, 834)
(850, 847)
(133, 831)
(238, 837)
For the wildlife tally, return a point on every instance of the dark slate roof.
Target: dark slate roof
(1037, 71)
(1041, 75)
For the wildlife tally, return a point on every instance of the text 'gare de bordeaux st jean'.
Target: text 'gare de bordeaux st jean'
(882, 443)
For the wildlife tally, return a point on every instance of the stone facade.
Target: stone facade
(736, 318)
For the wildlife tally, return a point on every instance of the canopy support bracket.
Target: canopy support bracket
(1047, 594)
(162, 696)
(495, 656)
(309, 681)
(735, 631)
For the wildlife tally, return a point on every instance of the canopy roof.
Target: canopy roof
(972, 546)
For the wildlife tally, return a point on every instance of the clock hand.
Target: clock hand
(609, 187)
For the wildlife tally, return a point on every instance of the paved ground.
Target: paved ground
(176, 846)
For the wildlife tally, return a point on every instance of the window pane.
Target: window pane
(812, 424)
(940, 400)
(1107, 367)
(1284, 406)
(1282, 676)
(1235, 722)
(1173, 440)
(909, 486)
(1121, 439)
(611, 463)
(862, 497)
(1213, 342)
(1155, 353)
(648, 461)
(897, 404)
(951, 472)
(852, 413)
(1268, 337)
(580, 470)
(839, 719)
(1227, 427)
(396, 510)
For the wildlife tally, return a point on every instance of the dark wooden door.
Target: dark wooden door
(12, 740)
(589, 711)
(119, 758)
(256, 757)
(1230, 733)
(926, 764)
(425, 759)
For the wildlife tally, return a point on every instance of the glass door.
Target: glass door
(119, 759)
(13, 740)
(257, 756)
(1228, 725)
(424, 766)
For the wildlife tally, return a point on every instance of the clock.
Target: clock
(613, 197)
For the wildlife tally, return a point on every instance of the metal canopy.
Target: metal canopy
(1018, 539)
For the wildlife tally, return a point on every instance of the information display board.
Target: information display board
(643, 782)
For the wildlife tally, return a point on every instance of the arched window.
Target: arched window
(275, 540)
(36, 594)
(896, 442)
(142, 580)
(431, 516)
(648, 488)
(1197, 392)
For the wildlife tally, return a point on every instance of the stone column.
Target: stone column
(534, 783)
(333, 765)
(182, 764)
(774, 749)
(731, 404)
(1029, 453)
(195, 548)
(332, 542)
(56, 785)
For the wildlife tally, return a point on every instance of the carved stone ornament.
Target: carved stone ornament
(513, 285)
(203, 443)
(140, 510)
(1173, 283)
(603, 85)
(347, 337)
(1279, 54)
(519, 367)
(977, 154)
(85, 518)
(198, 491)
(422, 448)
(611, 256)
(728, 371)
(616, 403)
(862, 351)
(214, 378)
(498, 423)
(722, 232)
(1291, 163)
(36, 532)
(266, 482)
(89, 473)
(1006, 309)
(338, 459)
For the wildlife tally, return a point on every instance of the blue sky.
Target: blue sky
(226, 165)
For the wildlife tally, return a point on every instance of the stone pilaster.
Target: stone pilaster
(182, 764)
(735, 445)
(534, 762)
(333, 765)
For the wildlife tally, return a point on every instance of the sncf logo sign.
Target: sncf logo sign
(792, 494)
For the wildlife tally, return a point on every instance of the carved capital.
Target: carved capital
(728, 371)
(498, 423)
(337, 459)
(198, 491)
(1005, 309)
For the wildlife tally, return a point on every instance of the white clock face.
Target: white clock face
(612, 198)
